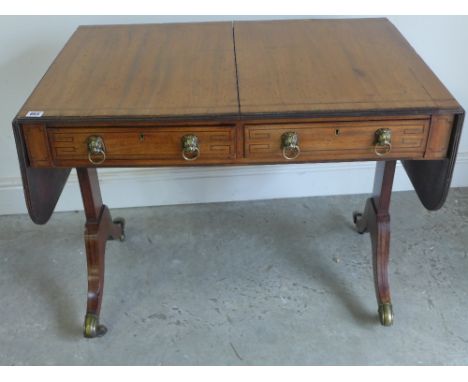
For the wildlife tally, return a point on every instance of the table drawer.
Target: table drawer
(142, 145)
(319, 141)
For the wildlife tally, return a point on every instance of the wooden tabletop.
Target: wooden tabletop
(208, 70)
(141, 70)
(331, 65)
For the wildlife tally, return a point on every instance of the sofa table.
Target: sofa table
(242, 93)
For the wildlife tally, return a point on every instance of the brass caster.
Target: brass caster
(357, 218)
(92, 328)
(120, 221)
(386, 314)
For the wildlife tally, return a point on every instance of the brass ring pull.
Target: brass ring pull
(294, 149)
(190, 148)
(381, 150)
(96, 150)
(383, 143)
(100, 160)
(290, 146)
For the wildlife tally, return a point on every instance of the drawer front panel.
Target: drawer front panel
(142, 145)
(337, 140)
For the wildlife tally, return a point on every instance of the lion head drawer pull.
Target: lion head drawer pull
(290, 146)
(383, 144)
(96, 150)
(190, 148)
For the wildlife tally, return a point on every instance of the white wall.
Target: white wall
(29, 44)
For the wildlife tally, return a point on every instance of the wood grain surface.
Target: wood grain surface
(141, 70)
(331, 65)
(236, 69)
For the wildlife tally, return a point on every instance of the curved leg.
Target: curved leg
(99, 228)
(379, 229)
(376, 221)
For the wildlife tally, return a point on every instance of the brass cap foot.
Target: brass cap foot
(92, 328)
(386, 314)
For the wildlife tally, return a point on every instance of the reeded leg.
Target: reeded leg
(376, 221)
(99, 228)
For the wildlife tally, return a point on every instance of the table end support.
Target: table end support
(376, 221)
(99, 228)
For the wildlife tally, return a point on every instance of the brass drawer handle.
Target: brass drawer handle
(383, 144)
(290, 146)
(96, 150)
(190, 148)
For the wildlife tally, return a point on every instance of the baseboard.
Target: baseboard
(166, 186)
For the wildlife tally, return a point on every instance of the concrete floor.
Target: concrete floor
(282, 282)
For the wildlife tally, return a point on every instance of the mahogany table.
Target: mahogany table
(242, 93)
